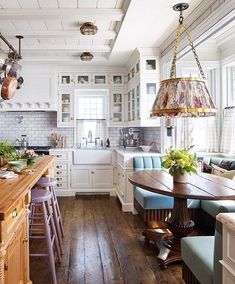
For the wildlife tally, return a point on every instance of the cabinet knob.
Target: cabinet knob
(25, 240)
(92, 172)
(59, 167)
(5, 267)
(59, 184)
(59, 173)
(58, 156)
(59, 179)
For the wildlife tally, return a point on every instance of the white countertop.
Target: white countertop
(227, 219)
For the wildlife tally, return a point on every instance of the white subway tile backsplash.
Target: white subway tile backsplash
(38, 126)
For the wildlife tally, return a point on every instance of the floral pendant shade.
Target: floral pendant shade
(187, 97)
(183, 97)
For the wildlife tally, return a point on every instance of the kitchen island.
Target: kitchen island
(14, 211)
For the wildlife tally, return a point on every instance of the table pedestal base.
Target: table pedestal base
(167, 236)
(168, 247)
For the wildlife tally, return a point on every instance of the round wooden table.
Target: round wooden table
(167, 236)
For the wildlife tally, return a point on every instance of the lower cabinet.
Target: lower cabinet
(15, 259)
(95, 178)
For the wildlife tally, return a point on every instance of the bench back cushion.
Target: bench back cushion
(218, 160)
(146, 162)
(217, 267)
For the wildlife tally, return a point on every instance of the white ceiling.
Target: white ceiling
(51, 27)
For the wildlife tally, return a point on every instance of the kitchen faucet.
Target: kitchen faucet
(90, 135)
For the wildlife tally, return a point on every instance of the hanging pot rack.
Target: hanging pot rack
(16, 54)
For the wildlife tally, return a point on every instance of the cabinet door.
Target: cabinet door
(65, 109)
(116, 108)
(15, 263)
(120, 182)
(66, 79)
(83, 79)
(81, 177)
(100, 79)
(102, 177)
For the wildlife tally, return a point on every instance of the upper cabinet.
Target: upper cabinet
(65, 114)
(142, 84)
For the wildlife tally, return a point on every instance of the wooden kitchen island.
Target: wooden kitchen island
(14, 204)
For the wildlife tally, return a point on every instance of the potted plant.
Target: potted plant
(6, 151)
(180, 163)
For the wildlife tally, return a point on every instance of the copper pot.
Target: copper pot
(9, 86)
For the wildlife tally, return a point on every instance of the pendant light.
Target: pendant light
(183, 97)
(88, 28)
(86, 56)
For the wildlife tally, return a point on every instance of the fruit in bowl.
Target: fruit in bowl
(146, 148)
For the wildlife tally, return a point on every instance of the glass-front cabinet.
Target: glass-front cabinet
(65, 111)
(117, 105)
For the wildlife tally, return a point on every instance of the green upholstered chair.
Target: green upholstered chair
(200, 258)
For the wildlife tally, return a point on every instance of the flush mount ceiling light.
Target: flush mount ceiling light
(183, 97)
(86, 56)
(88, 28)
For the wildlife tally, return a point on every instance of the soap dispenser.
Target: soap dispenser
(107, 143)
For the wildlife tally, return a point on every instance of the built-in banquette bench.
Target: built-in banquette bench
(201, 257)
(152, 206)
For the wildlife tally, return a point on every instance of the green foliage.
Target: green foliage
(6, 150)
(180, 159)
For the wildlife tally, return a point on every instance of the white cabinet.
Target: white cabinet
(117, 108)
(142, 86)
(63, 160)
(93, 177)
(228, 247)
(65, 114)
(37, 93)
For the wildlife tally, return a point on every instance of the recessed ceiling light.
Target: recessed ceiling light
(88, 28)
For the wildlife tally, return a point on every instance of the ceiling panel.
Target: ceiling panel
(85, 41)
(29, 42)
(9, 4)
(38, 25)
(71, 41)
(106, 3)
(21, 25)
(26, 4)
(48, 3)
(54, 25)
(70, 24)
(102, 25)
(7, 25)
(67, 4)
(87, 3)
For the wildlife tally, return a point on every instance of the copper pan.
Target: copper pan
(9, 86)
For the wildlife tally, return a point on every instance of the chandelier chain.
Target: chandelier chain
(183, 27)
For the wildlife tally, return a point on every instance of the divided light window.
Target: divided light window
(231, 86)
(90, 108)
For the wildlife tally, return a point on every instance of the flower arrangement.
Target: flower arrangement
(180, 160)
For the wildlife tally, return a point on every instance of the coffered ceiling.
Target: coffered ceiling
(51, 27)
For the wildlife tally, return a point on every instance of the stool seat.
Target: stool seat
(40, 195)
(46, 181)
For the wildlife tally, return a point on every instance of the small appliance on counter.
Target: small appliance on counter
(129, 137)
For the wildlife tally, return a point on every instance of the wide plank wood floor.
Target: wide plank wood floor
(103, 245)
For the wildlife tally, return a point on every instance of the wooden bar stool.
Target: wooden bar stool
(41, 226)
(50, 183)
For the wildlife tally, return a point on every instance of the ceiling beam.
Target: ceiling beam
(74, 13)
(73, 59)
(63, 48)
(75, 33)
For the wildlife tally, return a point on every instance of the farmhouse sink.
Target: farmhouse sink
(92, 156)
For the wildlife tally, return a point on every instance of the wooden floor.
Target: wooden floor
(103, 245)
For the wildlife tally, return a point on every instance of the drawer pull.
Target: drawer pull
(59, 156)
(5, 267)
(59, 184)
(25, 240)
(59, 179)
(14, 213)
(59, 167)
(59, 173)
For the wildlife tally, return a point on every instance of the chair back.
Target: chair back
(146, 162)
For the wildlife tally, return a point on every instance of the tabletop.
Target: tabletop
(199, 186)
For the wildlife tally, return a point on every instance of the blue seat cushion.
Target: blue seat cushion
(198, 254)
(214, 207)
(146, 162)
(150, 200)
